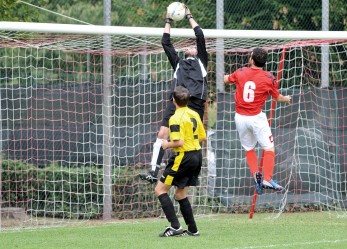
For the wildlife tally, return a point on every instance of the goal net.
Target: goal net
(81, 107)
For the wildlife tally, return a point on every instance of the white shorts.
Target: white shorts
(253, 129)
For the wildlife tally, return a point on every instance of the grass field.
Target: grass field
(295, 230)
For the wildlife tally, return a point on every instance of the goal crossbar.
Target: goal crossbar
(177, 32)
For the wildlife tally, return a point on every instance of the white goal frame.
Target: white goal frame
(177, 32)
(157, 32)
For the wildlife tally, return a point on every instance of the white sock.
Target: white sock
(156, 149)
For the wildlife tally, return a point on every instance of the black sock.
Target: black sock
(159, 159)
(156, 171)
(160, 156)
(169, 210)
(187, 212)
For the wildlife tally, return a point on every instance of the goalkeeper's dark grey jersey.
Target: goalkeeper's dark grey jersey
(189, 72)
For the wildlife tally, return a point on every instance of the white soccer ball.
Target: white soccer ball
(177, 11)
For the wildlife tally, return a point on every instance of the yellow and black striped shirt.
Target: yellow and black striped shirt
(186, 125)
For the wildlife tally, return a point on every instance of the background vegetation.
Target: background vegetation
(246, 14)
(74, 193)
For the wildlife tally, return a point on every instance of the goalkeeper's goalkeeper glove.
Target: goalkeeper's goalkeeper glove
(168, 18)
(188, 13)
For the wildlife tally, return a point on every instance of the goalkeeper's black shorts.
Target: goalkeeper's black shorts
(195, 104)
(183, 169)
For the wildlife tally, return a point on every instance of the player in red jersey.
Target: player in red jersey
(253, 86)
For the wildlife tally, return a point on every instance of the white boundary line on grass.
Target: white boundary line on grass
(294, 244)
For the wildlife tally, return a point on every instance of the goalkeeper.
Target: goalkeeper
(189, 72)
(183, 168)
(253, 87)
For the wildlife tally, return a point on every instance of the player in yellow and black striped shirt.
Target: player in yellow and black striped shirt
(183, 168)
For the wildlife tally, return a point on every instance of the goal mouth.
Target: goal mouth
(81, 106)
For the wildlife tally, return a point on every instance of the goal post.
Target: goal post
(60, 129)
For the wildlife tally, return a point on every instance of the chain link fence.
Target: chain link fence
(246, 14)
(210, 14)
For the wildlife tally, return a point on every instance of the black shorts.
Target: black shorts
(195, 104)
(183, 169)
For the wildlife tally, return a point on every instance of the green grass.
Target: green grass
(298, 230)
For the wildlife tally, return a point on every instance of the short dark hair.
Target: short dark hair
(181, 96)
(259, 57)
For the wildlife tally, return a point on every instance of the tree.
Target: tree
(141, 13)
(283, 15)
(69, 12)
(338, 21)
(265, 15)
(18, 12)
(273, 14)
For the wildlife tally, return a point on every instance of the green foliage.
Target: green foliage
(17, 179)
(297, 15)
(74, 192)
(264, 15)
(273, 14)
(18, 12)
(338, 20)
(87, 12)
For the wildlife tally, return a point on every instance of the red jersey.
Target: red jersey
(253, 87)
